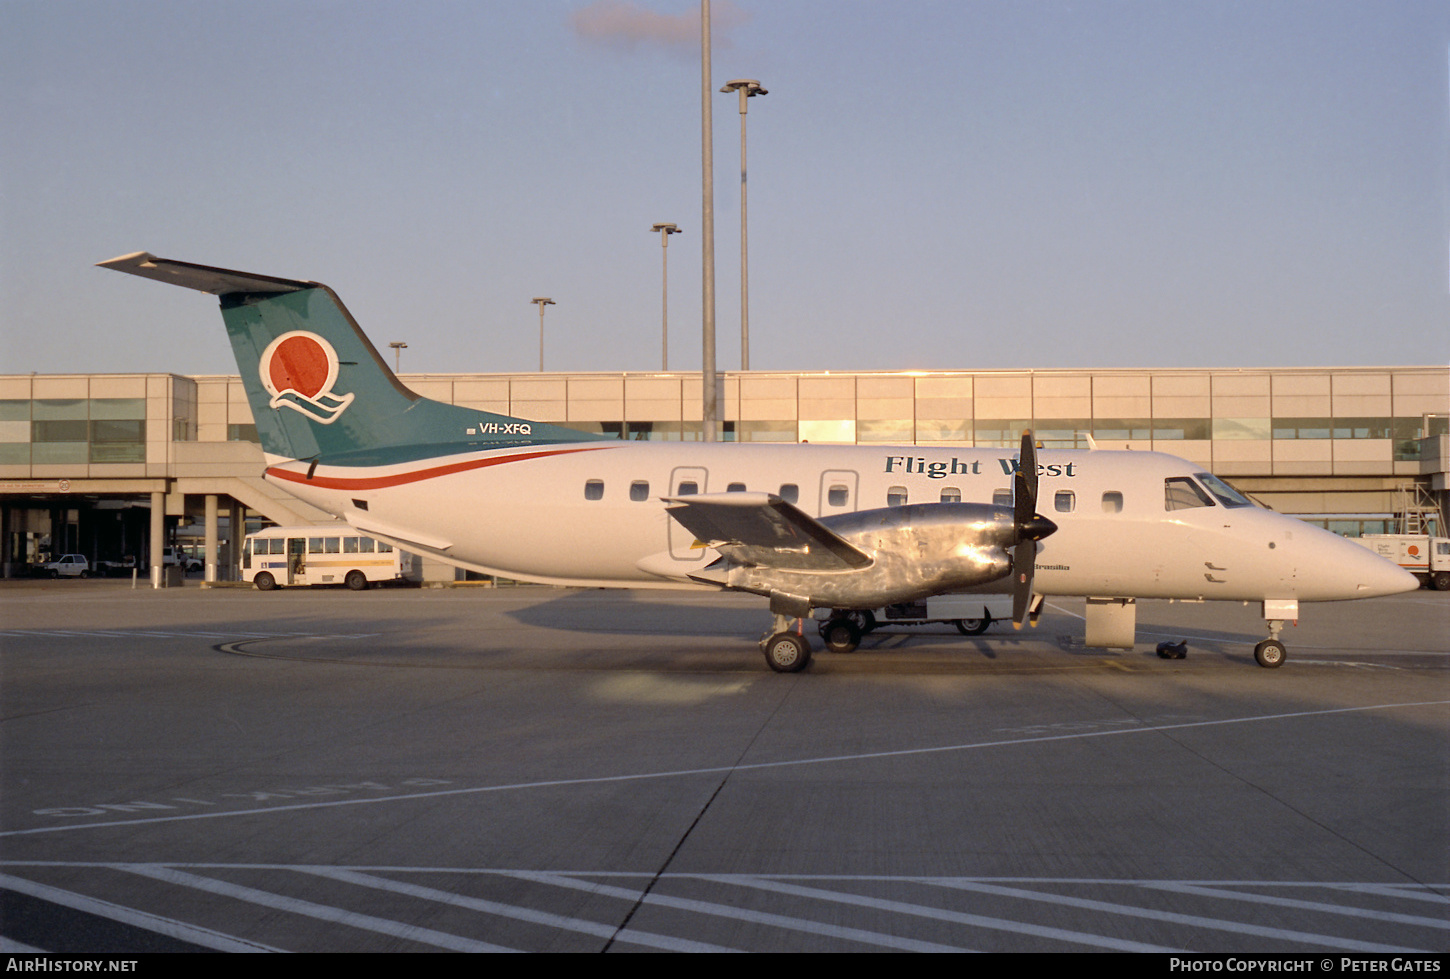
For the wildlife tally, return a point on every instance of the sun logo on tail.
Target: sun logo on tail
(298, 369)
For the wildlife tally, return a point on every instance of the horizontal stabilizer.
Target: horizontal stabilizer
(407, 538)
(763, 530)
(202, 278)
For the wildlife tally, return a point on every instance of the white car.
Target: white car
(67, 566)
(176, 556)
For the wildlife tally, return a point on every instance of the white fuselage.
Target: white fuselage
(592, 514)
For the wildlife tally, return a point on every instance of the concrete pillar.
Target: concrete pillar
(236, 530)
(158, 536)
(210, 561)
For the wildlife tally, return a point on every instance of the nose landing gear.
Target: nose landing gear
(1271, 653)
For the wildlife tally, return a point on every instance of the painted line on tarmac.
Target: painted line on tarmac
(1418, 921)
(180, 930)
(879, 939)
(1173, 917)
(938, 914)
(721, 769)
(292, 905)
(516, 912)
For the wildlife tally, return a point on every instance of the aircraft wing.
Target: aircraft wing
(763, 530)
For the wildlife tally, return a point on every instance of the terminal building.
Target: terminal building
(118, 466)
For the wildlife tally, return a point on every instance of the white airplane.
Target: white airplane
(807, 526)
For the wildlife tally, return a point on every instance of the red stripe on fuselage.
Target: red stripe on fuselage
(398, 479)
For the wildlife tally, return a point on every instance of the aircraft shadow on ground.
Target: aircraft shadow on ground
(631, 614)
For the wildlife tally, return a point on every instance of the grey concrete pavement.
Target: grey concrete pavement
(544, 769)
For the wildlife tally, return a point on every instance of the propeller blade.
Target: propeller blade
(1030, 527)
(1024, 556)
(1024, 483)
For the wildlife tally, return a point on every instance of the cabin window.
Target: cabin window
(639, 490)
(896, 496)
(594, 489)
(1064, 501)
(1112, 502)
(790, 492)
(735, 488)
(951, 494)
(1182, 493)
(838, 495)
(1002, 497)
(689, 488)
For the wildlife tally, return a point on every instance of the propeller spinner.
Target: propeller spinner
(1031, 527)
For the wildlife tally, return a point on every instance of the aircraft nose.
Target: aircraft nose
(1368, 574)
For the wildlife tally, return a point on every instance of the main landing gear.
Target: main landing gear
(786, 651)
(842, 632)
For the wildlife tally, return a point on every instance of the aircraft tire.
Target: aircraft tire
(1270, 654)
(264, 582)
(786, 652)
(975, 627)
(841, 635)
(357, 581)
(863, 619)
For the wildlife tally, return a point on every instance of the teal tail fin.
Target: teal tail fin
(317, 386)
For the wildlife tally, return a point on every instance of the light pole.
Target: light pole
(710, 405)
(748, 88)
(541, 302)
(665, 231)
(398, 348)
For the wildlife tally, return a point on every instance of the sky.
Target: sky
(954, 185)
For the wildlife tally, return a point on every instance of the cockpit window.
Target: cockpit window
(1226, 494)
(1181, 493)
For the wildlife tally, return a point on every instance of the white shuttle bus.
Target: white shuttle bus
(282, 556)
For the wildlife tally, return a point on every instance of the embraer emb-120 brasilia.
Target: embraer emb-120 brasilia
(807, 526)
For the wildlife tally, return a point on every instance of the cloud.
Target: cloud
(624, 25)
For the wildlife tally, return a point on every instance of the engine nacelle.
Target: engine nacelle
(916, 551)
